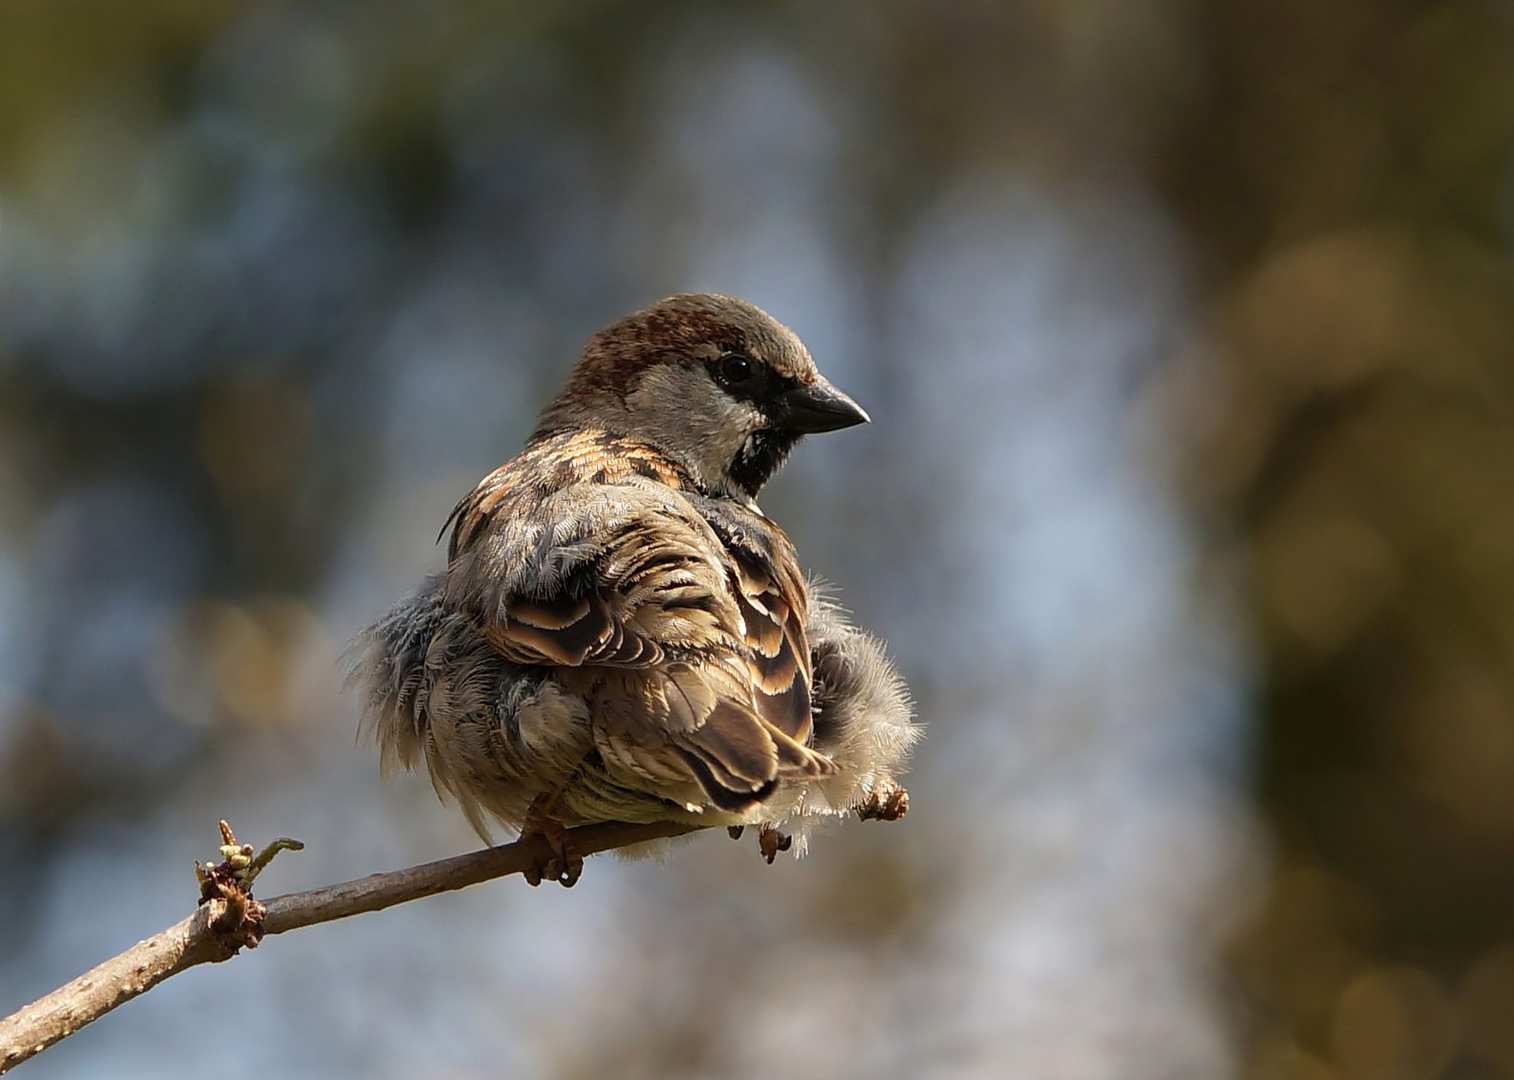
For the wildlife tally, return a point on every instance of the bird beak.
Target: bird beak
(809, 410)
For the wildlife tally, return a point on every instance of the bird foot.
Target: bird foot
(560, 861)
(889, 802)
(735, 831)
(770, 842)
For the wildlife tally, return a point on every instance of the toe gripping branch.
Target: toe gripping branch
(769, 840)
(556, 859)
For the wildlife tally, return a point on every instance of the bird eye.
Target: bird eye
(734, 369)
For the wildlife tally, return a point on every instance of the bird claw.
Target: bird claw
(888, 803)
(735, 831)
(770, 842)
(561, 861)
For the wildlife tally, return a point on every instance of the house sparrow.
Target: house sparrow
(620, 633)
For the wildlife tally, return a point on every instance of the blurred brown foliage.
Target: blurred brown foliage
(1353, 181)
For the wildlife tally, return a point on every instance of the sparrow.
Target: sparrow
(620, 633)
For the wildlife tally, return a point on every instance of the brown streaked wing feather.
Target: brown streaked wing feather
(779, 654)
(738, 756)
(762, 631)
(653, 584)
(719, 787)
(524, 641)
(736, 746)
(558, 613)
(473, 511)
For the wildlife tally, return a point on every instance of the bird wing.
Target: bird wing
(771, 594)
(693, 647)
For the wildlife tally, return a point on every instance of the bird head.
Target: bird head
(715, 383)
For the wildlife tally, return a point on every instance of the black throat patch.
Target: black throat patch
(760, 457)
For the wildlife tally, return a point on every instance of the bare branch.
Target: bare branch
(223, 924)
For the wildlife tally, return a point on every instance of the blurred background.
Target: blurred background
(1188, 511)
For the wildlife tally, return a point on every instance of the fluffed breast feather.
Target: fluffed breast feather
(863, 712)
(490, 732)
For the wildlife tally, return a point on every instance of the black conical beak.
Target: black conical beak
(809, 410)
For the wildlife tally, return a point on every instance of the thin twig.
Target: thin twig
(222, 925)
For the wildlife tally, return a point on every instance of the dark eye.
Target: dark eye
(733, 369)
